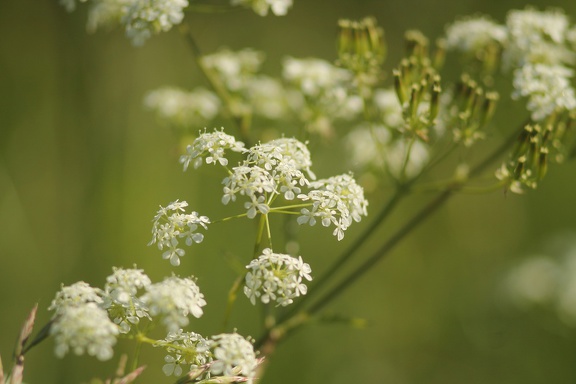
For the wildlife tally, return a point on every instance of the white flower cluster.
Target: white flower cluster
(89, 320)
(273, 168)
(223, 358)
(338, 200)
(84, 328)
(536, 45)
(547, 87)
(472, 34)
(261, 7)
(547, 281)
(537, 37)
(184, 348)
(233, 356)
(174, 299)
(141, 18)
(276, 277)
(170, 224)
(326, 92)
(121, 297)
(81, 324)
(211, 146)
(234, 68)
(250, 93)
(181, 108)
(280, 167)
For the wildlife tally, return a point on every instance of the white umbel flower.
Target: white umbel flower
(84, 328)
(210, 146)
(537, 37)
(547, 87)
(145, 18)
(121, 297)
(174, 299)
(472, 34)
(261, 7)
(184, 348)
(276, 277)
(170, 225)
(75, 295)
(337, 201)
(183, 108)
(233, 356)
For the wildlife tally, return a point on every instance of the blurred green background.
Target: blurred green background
(83, 168)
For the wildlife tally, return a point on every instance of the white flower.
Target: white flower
(261, 7)
(147, 17)
(179, 107)
(84, 328)
(235, 69)
(367, 146)
(338, 200)
(233, 356)
(104, 13)
(75, 295)
(537, 37)
(472, 34)
(276, 277)
(169, 225)
(184, 348)
(120, 298)
(211, 146)
(174, 299)
(400, 163)
(388, 105)
(547, 87)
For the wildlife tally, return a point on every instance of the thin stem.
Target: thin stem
(241, 121)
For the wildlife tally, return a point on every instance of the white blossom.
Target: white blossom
(276, 277)
(121, 297)
(261, 7)
(174, 299)
(184, 348)
(235, 69)
(472, 34)
(170, 225)
(75, 295)
(211, 147)
(147, 17)
(179, 107)
(337, 201)
(537, 37)
(84, 328)
(547, 87)
(233, 355)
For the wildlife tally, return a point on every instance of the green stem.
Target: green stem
(242, 122)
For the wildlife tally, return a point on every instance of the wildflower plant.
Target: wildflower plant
(396, 128)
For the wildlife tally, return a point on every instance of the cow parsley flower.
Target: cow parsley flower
(472, 34)
(174, 299)
(326, 93)
(233, 356)
(170, 225)
(337, 201)
(120, 297)
(84, 328)
(276, 277)
(190, 109)
(75, 295)
(235, 69)
(261, 7)
(147, 17)
(537, 37)
(211, 147)
(547, 87)
(184, 348)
